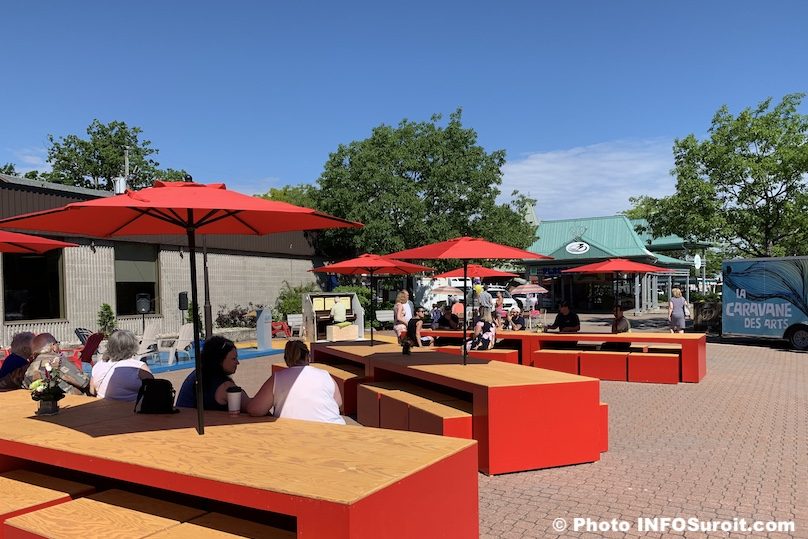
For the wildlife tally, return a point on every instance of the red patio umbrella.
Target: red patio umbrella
(476, 270)
(616, 265)
(178, 208)
(13, 242)
(466, 249)
(369, 264)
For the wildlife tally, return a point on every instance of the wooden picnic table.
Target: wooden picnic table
(335, 480)
(524, 418)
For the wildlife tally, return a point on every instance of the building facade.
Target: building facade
(576, 242)
(65, 288)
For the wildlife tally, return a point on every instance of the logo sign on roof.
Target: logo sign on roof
(577, 248)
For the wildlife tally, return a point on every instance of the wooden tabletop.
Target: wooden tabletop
(478, 372)
(336, 463)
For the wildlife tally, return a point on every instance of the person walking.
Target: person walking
(678, 311)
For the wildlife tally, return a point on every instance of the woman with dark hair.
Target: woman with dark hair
(219, 361)
(300, 391)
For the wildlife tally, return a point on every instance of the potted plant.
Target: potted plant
(46, 390)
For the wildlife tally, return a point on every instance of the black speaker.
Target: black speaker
(143, 303)
(183, 301)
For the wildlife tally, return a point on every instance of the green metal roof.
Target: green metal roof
(612, 236)
(671, 242)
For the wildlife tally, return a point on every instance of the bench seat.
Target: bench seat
(213, 525)
(604, 365)
(348, 333)
(24, 491)
(406, 406)
(654, 368)
(556, 360)
(112, 513)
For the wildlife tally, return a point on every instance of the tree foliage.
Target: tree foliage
(299, 195)
(744, 186)
(97, 160)
(413, 184)
(9, 169)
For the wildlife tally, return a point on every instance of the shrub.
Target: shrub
(290, 300)
(106, 320)
(238, 316)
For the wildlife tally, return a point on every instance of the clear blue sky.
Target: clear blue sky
(585, 97)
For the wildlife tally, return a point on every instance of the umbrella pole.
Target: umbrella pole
(372, 308)
(465, 307)
(200, 408)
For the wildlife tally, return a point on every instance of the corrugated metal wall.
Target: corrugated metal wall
(89, 281)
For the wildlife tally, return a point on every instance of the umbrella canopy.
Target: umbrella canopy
(529, 289)
(451, 290)
(476, 270)
(13, 242)
(466, 249)
(616, 265)
(178, 208)
(619, 265)
(369, 264)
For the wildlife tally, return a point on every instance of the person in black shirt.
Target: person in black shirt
(566, 321)
(448, 320)
(414, 327)
(515, 319)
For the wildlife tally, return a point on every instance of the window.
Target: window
(32, 286)
(135, 274)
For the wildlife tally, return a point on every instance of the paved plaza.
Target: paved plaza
(733, 446)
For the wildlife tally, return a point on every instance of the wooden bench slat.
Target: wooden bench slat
(218, 525)
(24, 491)
(111, 514)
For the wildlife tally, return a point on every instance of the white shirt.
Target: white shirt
(306, 393)
(118, 380)
(338, 312)
(407, 311)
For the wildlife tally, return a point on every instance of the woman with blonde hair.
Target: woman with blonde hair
(485, 332)
(401, 313)
(299, 391)
(677, 311)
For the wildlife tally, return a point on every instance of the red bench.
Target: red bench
(654, 368)
(495, 354)
(604, 365)
(556, 360)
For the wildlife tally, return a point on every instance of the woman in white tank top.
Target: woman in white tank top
(118, 376)
(300, 391)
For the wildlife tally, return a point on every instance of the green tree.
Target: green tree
(744, 186)
(171, 175)
(95, 161)
(414, 184)
(106, 319)
(290, 299)
(9, 169)
(300, 195)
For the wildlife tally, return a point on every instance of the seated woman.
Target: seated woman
(118, 375)
(299, 392)
(219, 361)
(484, 332)
(47, 351)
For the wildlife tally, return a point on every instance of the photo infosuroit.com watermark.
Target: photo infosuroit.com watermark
(671, 524)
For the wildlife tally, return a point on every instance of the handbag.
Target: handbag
(157, 396)
(687, 311)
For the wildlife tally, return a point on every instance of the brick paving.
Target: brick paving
(733, 446)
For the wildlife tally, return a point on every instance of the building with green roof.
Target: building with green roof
(575, 242)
